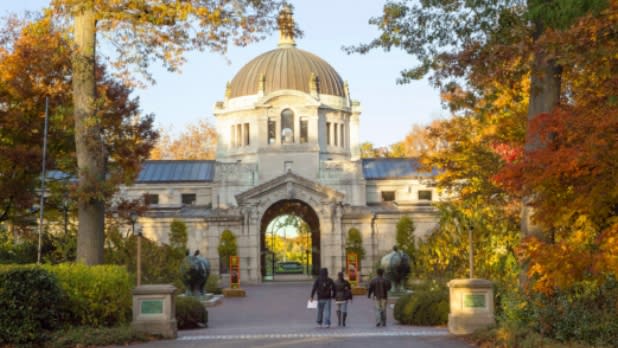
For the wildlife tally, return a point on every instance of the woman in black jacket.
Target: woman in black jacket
(343, 293)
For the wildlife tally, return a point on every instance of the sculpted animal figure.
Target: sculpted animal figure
(396, 265)
(195, 270)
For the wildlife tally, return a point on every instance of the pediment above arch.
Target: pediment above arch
(289, 186)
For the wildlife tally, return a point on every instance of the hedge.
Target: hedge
(423, 307)
(98, 295)
(32, 305)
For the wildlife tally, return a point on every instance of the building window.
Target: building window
(287, 166)
(341, 138)
(335, 133)
(188, 198)
(151, 199)
(327, 133)
(246, 134)
(233, 136)
(304, 130)
(424, 195)
(287, 126)
(272, 131)
(388, 196)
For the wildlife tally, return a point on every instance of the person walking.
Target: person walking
(343, 293)
(325, 289)
(379, 287)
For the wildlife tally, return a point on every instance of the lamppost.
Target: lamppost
(133, 218)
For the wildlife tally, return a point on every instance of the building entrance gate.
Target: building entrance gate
(275, 262)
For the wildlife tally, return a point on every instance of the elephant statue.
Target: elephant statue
(195, 270)
(396, 265)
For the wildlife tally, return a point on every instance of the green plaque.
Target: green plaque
(152, 307)
(474, 301)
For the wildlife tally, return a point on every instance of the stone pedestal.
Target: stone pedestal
(471, 305)
(234, 292)
(154, 310)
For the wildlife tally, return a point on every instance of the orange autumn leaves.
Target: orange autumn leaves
(572, 180)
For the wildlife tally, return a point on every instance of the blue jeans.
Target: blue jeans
(342, 306)
(380, 305)
(324, 306)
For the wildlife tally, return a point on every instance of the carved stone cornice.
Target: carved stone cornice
(294, 186)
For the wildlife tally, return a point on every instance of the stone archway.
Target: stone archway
(299, 209)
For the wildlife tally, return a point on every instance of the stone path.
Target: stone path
(277, 311)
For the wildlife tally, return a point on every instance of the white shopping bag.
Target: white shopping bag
(312, 304)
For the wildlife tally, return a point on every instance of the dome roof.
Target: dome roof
(286, 67)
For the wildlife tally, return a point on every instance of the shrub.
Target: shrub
(426, 306)
(190, 313)
(32, 304)
(98, 295)
(212, 285)
(96, 337)
(160, 262)
(586, 312)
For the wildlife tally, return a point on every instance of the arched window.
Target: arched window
(287, 126)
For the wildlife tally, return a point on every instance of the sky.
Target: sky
(388, 110)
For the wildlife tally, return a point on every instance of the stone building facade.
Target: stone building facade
(288, 143)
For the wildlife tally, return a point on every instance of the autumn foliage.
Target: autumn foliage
(35, 62)
(571, 179)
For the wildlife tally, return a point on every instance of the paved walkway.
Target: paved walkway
(276, 312)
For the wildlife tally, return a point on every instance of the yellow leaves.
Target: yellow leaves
(195, 142)
(583, 254)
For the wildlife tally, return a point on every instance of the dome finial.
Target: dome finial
(286, 27)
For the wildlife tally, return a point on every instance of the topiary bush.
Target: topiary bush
(190, 313)
(98, 295)
(32, 304)
(426, 306)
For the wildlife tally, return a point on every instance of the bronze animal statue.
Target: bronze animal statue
(396, 265)
(195, 270)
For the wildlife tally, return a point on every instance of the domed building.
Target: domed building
(288, 145)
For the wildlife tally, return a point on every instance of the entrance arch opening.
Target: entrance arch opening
(289, 241)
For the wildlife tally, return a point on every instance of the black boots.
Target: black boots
(383, 317)
(341, 318)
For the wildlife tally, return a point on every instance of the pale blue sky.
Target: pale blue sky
(389, 110)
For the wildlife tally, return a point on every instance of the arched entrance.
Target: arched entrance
(271, 260)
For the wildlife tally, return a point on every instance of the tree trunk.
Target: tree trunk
(88, 140)
(545, 81)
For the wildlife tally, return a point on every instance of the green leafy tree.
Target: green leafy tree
(35, 60)
(178, 234)
(142, 32)
(227, 247)
(405, 237)
(478, 42)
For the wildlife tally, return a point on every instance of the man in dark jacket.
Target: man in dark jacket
(379, 287)
(325, 288)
